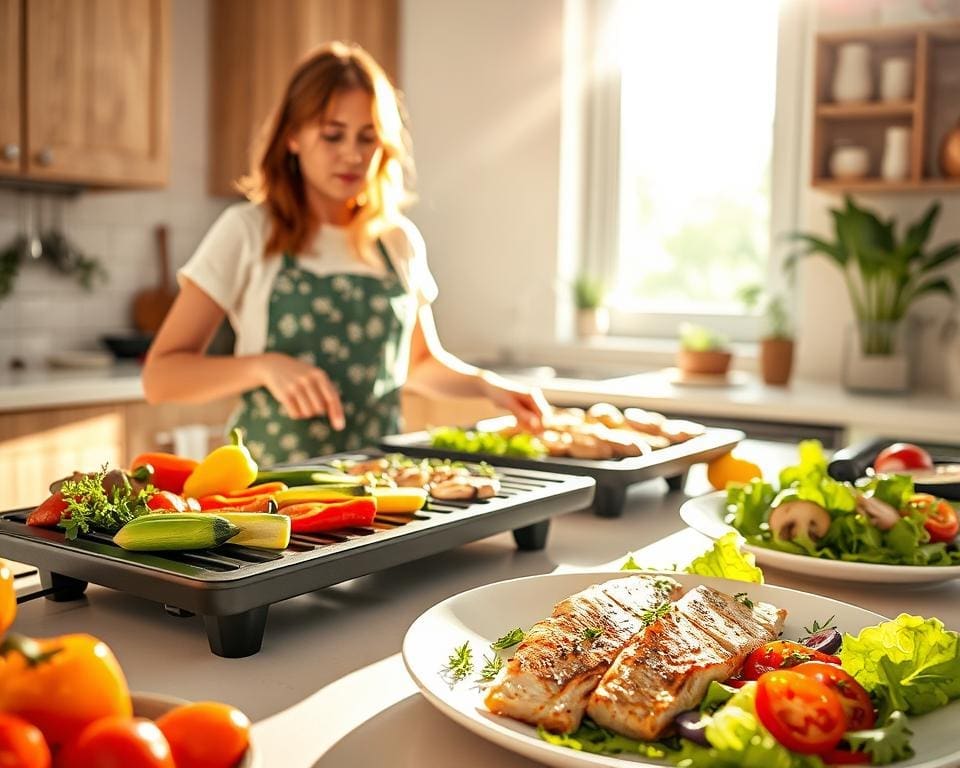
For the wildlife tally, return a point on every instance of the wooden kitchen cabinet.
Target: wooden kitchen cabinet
(91, 103)
(255, 45)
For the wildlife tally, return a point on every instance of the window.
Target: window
(692, 176)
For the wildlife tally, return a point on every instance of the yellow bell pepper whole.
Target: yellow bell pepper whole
(226, 469)
(8, 598)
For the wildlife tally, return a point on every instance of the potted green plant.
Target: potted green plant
(593, 318)
(885, 276)
(703, 351)
(776, 343)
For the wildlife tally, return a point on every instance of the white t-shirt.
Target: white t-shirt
(229, 265)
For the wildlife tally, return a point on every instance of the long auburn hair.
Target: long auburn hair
(275, 179)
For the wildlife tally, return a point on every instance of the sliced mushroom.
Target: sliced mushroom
(878, 512)
(798, 517)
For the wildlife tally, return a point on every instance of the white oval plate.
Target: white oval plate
(482, 615)
(705, 514)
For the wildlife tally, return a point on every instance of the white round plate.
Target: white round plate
(482, 615)
(705, 514)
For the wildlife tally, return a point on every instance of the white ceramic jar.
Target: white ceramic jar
(849, 161)
(896, 153)
(896, 79)
(852, 79)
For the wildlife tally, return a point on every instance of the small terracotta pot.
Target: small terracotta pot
(709, 362)
(776, 360)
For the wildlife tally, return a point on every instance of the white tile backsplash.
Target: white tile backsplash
(49, 312)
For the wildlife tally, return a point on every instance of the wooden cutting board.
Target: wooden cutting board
(150, 306)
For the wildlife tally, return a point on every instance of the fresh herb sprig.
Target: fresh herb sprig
(91, 507)
(650, 616)
(460, 663)
(741, 597)
(512, 638)
(591, 633)
(491, 667)
(818, 627)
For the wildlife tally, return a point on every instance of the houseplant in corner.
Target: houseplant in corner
(776, 344)
(885, 276)
(593, 318)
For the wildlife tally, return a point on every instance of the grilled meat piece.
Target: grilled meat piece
(668, 667)
(465, 487)
(562, 658)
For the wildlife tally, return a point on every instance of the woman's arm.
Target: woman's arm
(178, 370)
(435, 372)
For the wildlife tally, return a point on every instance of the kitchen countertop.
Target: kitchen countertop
(329, 687)
(919, 415)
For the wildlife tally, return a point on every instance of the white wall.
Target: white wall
(483, 81)
(48, 312)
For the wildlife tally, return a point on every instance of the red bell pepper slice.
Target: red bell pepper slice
(49, 513)
(313, 517)
(170, 472)
(239, 504)
(264, 489)
(166, 501)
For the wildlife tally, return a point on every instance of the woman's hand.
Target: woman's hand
(302, 389)
(526, 403)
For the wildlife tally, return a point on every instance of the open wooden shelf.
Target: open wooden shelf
(935, 107)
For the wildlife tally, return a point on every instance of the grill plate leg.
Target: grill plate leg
(237, 635)
(533, 537)
(65, 587)
(676, 482)
(609, 500)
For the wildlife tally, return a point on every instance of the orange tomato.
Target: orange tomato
(22, 744)
(8, 599)
(731, 469)
(206, 734)
(75, 681)
(118, 742)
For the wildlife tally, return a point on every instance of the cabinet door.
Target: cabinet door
(97, 85)
(10, 115)
(255, 45)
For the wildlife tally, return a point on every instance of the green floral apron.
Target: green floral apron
(354, 327)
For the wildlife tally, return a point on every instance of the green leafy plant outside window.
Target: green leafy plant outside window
(884, 275)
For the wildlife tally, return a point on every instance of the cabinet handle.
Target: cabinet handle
(11, 152)
(45, 156)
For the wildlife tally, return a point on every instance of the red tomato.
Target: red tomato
(845, 757)
(781, 654)
(118, 742)
(206, 734)
(22, 744)
(167, 501)
(940, 517)
(857, 707)
(801, 713)
(901, 456)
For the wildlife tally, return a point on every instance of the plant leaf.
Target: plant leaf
(939, 258)
(919, 233)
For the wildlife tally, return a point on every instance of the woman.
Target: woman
(325, 283)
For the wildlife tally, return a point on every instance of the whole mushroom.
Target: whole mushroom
(798, 517)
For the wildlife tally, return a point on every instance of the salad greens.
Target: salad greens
(908, 664)
(851, 536)
(473, 441)
(724, 560)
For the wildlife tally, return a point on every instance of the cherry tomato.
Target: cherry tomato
(781, 654)
(940, 518)
(901, 456)
(206, 734)
(71, 682)
(8, 599)
(118, 742)
(857, 707)
(801, 713)
(22, 744)
(845, 757)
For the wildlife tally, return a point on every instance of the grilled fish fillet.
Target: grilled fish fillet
(666, 670)
(562, 658)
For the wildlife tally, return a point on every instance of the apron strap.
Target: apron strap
(386, 257)
(288, 261)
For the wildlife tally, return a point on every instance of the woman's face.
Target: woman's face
(341, 152)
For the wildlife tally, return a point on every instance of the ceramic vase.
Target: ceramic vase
(593, 322)
(852, 79)
(896, 153)
(950, 153)
(876, 358)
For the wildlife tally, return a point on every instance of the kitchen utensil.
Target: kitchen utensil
(232, 587)
(852, 80)
(150, 306)
(852, 462)
(706, 515)
(612, 476)
(482, 615)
